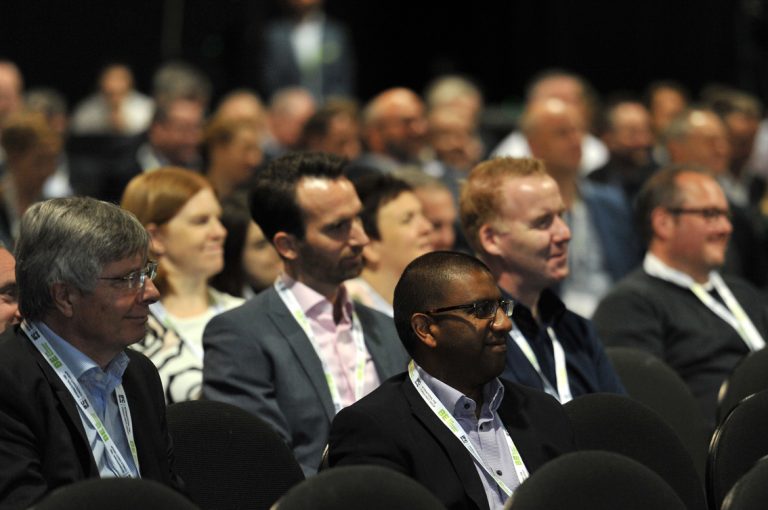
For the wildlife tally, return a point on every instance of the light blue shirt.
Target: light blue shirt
(486, 433)
(100, 386)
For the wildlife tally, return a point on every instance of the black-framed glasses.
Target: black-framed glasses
(710, 214)
(136, 279)
(485, 309)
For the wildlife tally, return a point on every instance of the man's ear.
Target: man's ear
(423, 325)
(156, 239)
(64, 297)
(662, 223)
(287, 245)
(487, 236)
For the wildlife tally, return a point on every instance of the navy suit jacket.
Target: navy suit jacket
(259, 359)
(394, 427)
(43, 444)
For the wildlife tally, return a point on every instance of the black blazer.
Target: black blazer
(42, 440)
(393, 427)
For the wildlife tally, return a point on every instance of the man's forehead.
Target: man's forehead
(319, 197)
(692, 185)
(522, 193)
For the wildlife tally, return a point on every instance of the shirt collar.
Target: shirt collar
(77, 362)
(308, 298)
(654, 266)
(452, 399)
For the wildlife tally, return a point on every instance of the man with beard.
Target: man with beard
(300, 351)
(450, 423)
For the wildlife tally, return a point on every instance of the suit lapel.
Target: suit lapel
(460, 458)
(302, 348)
(67, 403)
(528, 443)
(373, 344)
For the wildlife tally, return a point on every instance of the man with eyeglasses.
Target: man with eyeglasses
(74, 402)
(512, 213)
(449, 422)
(678, 306)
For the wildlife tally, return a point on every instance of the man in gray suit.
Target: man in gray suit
(300, 351)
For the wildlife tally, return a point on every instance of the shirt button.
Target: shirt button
(498, 472)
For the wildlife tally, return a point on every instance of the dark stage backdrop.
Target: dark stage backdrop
(617, 45)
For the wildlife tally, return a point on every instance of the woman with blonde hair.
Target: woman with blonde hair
(180, 211)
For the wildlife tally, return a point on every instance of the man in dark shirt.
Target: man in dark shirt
(511, 211)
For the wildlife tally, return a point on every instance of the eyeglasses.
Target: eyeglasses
(710, 214)
(485, 309)
(136, 279)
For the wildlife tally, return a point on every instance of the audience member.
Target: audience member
(394, 132)
(457, 93)
(665, 100)
(602, 245)
(9, 291)
(437, 205)
(574, 91)
(251, 263)
(116, 108)
(234, 153)
(181, 213)
(173, 139)
(308, 49)
(52, 104)
(289, 109)
(74, 402)
(627, 134)
(512, 212)
(678, 306)
(699, 137)
(11, 90)
(393, 219)
(300, 351)
(334, 129)
(450, 423)
(32, 151)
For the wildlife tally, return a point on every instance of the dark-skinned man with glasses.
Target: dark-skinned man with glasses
(512, 214)
(449, 422)
(75, 403)
(678, 306)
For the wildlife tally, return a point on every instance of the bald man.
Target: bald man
(573, 90)
(394, 132)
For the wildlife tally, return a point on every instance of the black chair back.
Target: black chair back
(619, 424)
(228, 458)
(115, 494)
(749, 377)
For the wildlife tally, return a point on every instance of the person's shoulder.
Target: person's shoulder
(388, 394)
(246, 309)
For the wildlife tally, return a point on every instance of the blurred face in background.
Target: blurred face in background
(261, 262)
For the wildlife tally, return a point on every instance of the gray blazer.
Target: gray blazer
(258, 358)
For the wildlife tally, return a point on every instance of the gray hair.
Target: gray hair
(70, 240)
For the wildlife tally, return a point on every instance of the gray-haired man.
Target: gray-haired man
(74, 403)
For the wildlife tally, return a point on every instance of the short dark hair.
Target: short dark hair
(376, 191)
(422, 287)
(660, 190)
(272, 199)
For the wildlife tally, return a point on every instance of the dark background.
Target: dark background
(617, 45)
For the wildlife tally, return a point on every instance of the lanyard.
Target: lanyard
(449, 421)
(84, 403)
(159, 311)
(732, 312)
(563, 391)
(357, 335)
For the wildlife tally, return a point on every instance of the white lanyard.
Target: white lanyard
(563, 391)
(357, 335)
(84, 403)
(732, 312)
(159, 311)
(449, 421)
